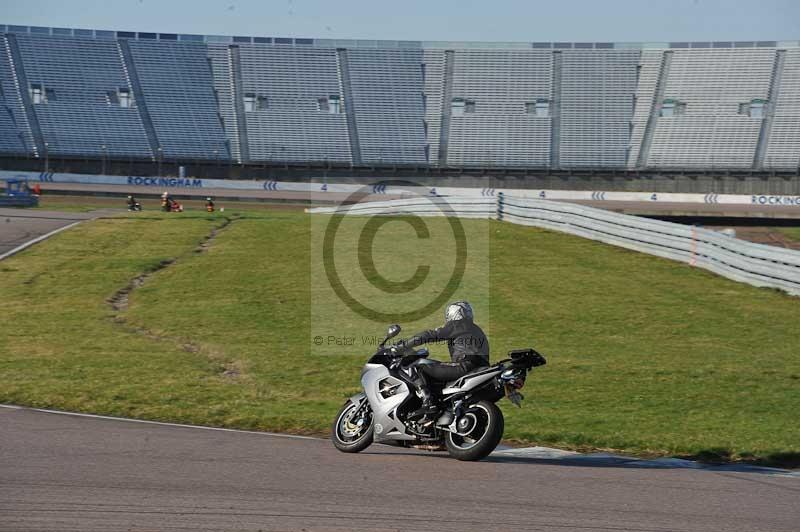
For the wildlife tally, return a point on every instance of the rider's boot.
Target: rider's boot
(429, 407)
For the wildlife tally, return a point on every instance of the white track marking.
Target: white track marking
(163, 423)
(36, 240)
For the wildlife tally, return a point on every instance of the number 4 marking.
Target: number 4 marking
(542, 194)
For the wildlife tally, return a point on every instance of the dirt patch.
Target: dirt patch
(33, 279)
(191, 347)
(232, 371)
(205, 244)
(119, 302)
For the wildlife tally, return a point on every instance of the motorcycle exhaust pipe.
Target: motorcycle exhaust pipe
(445, 419)
(432, 447)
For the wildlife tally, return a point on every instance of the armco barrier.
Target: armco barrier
(462, 207)
(755, 264)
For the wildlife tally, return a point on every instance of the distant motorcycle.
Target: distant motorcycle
(469, 425)
(133, 205)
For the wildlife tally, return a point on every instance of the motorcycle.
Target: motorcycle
(469, 424)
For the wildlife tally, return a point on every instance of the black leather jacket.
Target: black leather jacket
(465, 341)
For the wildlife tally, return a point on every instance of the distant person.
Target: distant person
(37, 189)
(209, 205)
(133, 205)
(166, 202)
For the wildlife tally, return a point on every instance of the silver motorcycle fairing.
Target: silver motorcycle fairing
(357, 398)
(471, 380)
(385, 422)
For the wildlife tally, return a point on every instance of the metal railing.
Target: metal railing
(754, 264)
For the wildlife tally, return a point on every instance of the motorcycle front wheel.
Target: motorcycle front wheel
(352, 430)
(481, 430)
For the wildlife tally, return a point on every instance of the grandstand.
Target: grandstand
(92, 94)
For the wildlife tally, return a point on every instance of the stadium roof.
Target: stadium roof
(363, 43)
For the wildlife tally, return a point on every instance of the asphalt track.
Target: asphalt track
(216, 193)
(86, 474)
(19, 226)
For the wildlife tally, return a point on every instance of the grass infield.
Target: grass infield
(645, 355)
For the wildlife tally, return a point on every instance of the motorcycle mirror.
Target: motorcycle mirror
(393, 331)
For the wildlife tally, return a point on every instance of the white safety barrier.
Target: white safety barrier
(755, 264)
(463, 207)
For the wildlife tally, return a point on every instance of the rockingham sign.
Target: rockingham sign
(776, 200)
(168, 182)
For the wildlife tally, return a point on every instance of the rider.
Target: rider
(468, 346)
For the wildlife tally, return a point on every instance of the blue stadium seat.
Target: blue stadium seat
(76, 116)
(176, 97)
(16, 136)
(176, 82)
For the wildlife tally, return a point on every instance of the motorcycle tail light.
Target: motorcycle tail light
(518, 383)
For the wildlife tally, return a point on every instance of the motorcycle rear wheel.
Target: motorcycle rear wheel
(346, 435)
(484, 437)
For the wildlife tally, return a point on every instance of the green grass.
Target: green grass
(69, 203)
(644, 355)
(791, 232)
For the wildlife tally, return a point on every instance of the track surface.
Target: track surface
(217, 193)
(18, 226)
(84, 474)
